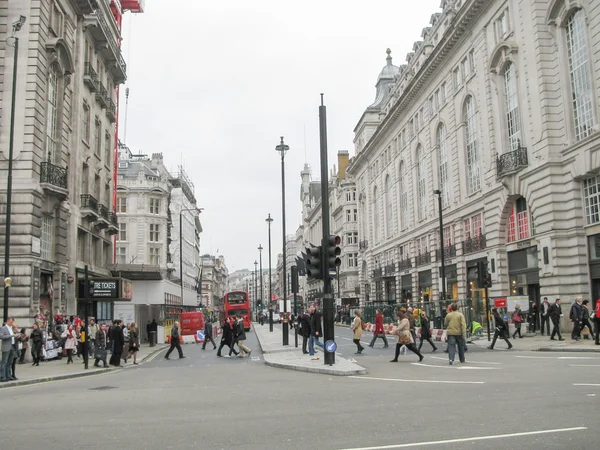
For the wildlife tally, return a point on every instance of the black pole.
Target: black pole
(255, 286)
(487, 313)
(9, 180)
(282, 148)
(442, 249)
(181, 252)
(294, 283)
(328, 330)
(269, 220)
(86, 344)
(260, 248)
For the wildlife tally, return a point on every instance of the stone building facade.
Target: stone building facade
(500, 114)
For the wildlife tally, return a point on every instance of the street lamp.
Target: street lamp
(442, 249)
(260, 248)
(255, 283)
(282, 149)
(269, 220)
(16, 26)
(181, 211)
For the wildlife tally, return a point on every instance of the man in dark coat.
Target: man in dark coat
(118, 341)
(100, 354)
(315, 331)
(304, 328)
(227, 337)
(175, 341)
(208, 331)
(555, 311)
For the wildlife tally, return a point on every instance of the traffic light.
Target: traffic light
(487, 278)
(333, 252)
(484, 279)
(90, 288)
(314, 268)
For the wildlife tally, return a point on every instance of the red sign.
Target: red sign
(500, 302)
(70, 279)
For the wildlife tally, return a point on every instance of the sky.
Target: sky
(213, 86)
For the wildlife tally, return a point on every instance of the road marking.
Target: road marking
(476, 438)
(471, 361)
(456, 367)
(585, 384)
(578, 357)
(416, 381)
(556, 357)
(584, 365)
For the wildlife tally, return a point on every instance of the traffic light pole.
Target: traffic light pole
(86, 339)
(328, 330)
(487, 313)
(294, 283)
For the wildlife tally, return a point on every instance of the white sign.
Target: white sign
(35, 245)
(521, 300)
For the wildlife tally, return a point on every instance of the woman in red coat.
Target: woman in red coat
(379, 331)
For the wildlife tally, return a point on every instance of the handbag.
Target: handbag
(403, 339)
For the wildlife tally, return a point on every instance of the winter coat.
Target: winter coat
(357, 327)
(404, 329)
(36, 337)
(425, 331)
(379, 324)
(455, 324)
(71, 339)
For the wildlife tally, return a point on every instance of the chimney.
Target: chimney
(343, 160)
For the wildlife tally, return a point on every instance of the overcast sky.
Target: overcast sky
(214, 84)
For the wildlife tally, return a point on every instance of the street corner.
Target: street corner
(304, 363)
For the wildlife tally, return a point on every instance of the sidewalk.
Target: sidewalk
(540, 343)
(290, 357)
(59, 370)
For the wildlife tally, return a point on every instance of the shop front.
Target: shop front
(406, 288)
(476, 301)
(594, 262)
(451, 273)
(524, 274)
(425, 286)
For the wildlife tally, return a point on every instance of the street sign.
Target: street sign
(200, 335)
(330, 346)
(500, 302)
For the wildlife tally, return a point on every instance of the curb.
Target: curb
(71, 375)
(320, 370)
(563, 349)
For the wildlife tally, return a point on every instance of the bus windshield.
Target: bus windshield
(236, 297)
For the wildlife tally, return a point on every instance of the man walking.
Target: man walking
(533, 317)
(8, 339)
(304, 327)
(175, 341)
(315, 331)
(241, 337)
(545, 316)
(379, 331)
(118, 341)
(576, 316)
(208, 330)
(92, 331)
(555, 312)
(456, 330)
(101, 350)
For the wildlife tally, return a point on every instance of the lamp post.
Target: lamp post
(17, 25)
(282, 148)
(260, 248)
(442, 249)
(269, 220)
(181, 211)
(255, 284)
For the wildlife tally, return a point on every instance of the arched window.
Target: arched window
(513, 118)
(389, 208)
(403, 197)
(376, 219)
(473, 170)
(52, 116)
(421, 178)
(444, 165)
(579, 70)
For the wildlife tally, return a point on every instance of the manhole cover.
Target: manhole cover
(102, 388)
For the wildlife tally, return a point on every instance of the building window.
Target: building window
(121, 255)
(376, 219)
(518, 223)
(472, 62)
(464, 69)
(348, 215)
(579, 69)
(421, 179)
(443, 94)
(348, 196)
(107, 150)
(513, 118)
(473, 228)
(389, 208)
(121, 204)
(56, 20)
(97, 133)
(122, 236)
(52, 116)
(154, 256)
(448, 236)
(352, 259)
(443, 161)
(154, 206)
(154, 232)
(403, 197)
(46, 238)
(456, 76)
(502, 26)
(591, 193)
(86, 123)
(422, 245)
(355, 215)
(473, 171)
(432, 107)
(351, 238)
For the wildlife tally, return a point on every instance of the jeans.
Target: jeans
(4, 366)
(382, 336)
(312, 340)
(453, 341)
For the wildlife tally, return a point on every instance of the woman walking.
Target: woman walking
(134, 343)
(227, 337)
(36, 337)
(425, 332)
(24, 340)
(501, 329)
(517, 318)
(405, 338)
(357, 328)
(70, 337)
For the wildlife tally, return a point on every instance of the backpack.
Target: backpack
(571, 313)
(598, 309)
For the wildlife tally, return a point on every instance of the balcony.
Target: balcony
(113, 227)
(511, 162)
(103, 219)
(101, 95)
(474, 244)
(449, 252)
(53, 180)
(363, 245)
(89, 207)
(111, 110)
(423, 259)
(404, 264)
(103, 29)
(86, 6)
(90, 77)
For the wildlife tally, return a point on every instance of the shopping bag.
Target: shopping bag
(403, 350)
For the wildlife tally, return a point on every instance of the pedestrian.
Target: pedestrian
(153, 332)
(7, 336)
(555, 313)
(23, 346)
(533, 316)
(517, 318)
(134, 343)
(545, 316)
(36, 338)
(208, 335)
(456, 330)
(405, 337)
(316, 331)
(118, 342)
(501, 329)
(304, 327)
(70, 336)
(240, 337)
(597, 320)
(80, 332)
(379, 331)
(91, 337)
(125, 330)
(15, 352)
(413, 323)
(148, 330)
(425, 332)
(227, 337)
(357, 327)
(576, 316)
(101, 346)
(175, 341)
(585, 317)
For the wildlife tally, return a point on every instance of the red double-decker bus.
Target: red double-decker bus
(237, 304)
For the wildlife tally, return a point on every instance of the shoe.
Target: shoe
(249, 353)
(492, 348)
(3, 380)
(119, 365)
(315, 358)
(105, 366)
(552, 339)
(13, 378)
(510, 346)
(135, 363)
(421, 358)
(463, 361)
(240, 356)
(561, 339)
(434, 349)
(203, 348)
(96, 365)
(394, 360)
(385, 346)
(167, 358)
(451, 362)
(215, 348)
(33, 364)
(182, 357)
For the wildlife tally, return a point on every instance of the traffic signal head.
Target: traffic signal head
(314, 268)
(333, 252)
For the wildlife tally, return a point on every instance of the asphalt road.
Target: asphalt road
(496, 400)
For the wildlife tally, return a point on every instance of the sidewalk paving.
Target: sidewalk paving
(59, 369)
(541, 343)
(290, 357)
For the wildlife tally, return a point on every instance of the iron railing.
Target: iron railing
(54, 175)
(90, 77)
(89, 202)
(449, 252)
(111, 109)
(103, 211)
(101, 95)
(474, 244)
(511, 161)
(404, 264)
(113, 219)
(423, 259)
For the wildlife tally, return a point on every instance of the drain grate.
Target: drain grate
(102, 388)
